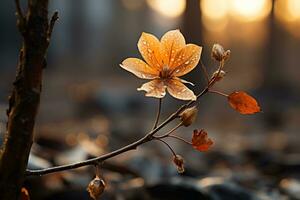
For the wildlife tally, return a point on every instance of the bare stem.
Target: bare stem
(171, 149)
(205, 71)
(19, 10)
(54, 18)
(158, 113)
(218, 92)
(180, 138)
(169, 132)
(213, 80)
(148, 137)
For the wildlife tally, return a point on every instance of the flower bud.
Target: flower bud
(188, 116)
(179, 162)
(217, 76)
(218, 53)
(96, 188)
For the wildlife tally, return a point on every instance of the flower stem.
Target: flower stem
(205, 71)
(171, 149)
(158, 114)
(169, 132)
(219, 93)
(180, 138)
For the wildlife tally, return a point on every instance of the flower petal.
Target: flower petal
(172, 42)
(178, 90)
(150, 48)
(139, 68)
(155, 88)
(186, 60)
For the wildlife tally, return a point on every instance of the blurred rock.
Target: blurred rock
(291, 187)
(36, 162)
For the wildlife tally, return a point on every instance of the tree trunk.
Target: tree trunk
(25, 98)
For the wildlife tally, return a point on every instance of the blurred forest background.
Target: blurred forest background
(90, 105)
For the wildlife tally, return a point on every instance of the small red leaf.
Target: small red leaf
(201, 141)
(243, 103)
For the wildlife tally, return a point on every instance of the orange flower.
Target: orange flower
(166, 60)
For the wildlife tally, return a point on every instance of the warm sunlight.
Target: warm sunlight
(287, 10)
(250, 10)
(214, 14)
(168, 8)
(214, 9)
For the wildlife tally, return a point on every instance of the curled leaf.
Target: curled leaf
(243, 103)
(96, 188)
(179, 162)
(201, 141)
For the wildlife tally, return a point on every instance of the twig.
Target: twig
(54, 18)
(169, 132)
(205, 71)
(173, 152)
(148, 137)
(19, 10)
(219, 93)
(213, 80)
(158, 114)
(20, 17)
(180, 138)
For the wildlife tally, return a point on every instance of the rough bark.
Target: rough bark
(25, 97)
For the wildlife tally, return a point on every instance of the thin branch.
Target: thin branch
(19, 10)
(205, 71)
(219, 93)
(21, 21)
(180, 138)
(158, 113)
(173, 152)
(213, 80)
(169, 132)
(148, 137)
(54, 18)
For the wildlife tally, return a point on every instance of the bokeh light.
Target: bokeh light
(214, 9)
(132, 4)
(214, 14)
(250, 10)
(287, 12)
(168, 8)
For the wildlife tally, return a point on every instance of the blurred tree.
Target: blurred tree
(25, 97)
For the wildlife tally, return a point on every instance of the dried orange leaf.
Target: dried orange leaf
(24, 194)
(243, 103)
(201, 141)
